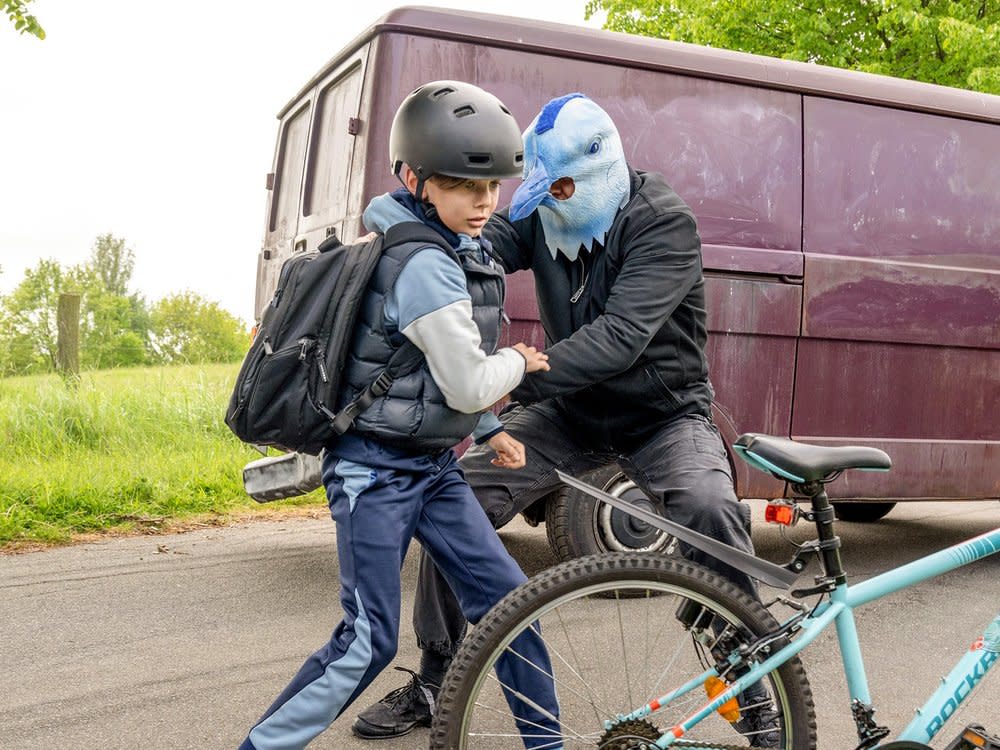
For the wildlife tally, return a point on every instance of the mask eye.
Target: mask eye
(594, 147)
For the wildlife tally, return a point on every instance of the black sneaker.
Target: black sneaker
(759, 718)
(399, 712)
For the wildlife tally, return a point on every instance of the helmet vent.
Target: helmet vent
(442, 92)
(507, 111)
(479, 160)
(465, 111)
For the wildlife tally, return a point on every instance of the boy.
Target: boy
(393, 476)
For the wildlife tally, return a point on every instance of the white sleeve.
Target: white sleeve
(469, 379)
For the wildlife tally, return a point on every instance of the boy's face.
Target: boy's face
(463, 208)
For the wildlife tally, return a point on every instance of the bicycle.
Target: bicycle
(650, 652)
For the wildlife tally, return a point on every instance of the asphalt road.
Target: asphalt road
(181, 641)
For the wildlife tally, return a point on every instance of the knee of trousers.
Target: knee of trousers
(383, 652)
(710, 508)
(503, 584)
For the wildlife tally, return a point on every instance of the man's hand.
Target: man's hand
(534, 359)
(510, 452)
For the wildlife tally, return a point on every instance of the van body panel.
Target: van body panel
(577, 43)
(875, 300)
(901, 326)
(898, 185)
(733, 152)
(751, 260)
(850, 223)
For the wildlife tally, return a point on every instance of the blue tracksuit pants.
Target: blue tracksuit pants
(380, 499)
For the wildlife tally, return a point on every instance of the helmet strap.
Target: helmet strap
(428, 207)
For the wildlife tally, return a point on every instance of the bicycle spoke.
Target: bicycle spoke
(613, 646)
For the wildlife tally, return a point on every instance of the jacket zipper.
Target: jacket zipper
(583, 284)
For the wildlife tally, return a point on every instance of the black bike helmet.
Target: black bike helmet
(455, 129)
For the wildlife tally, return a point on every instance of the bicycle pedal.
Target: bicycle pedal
(975, 737)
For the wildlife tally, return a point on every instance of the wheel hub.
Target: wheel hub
(620, 532)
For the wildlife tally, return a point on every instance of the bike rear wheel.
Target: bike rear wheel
(616, 641)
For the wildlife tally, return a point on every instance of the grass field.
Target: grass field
(126, 450)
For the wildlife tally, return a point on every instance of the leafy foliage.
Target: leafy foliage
(113, 263)
(24, 22)
(29, 318)
(948, 42)
(187, 328)
(117, 328)
(115, 325)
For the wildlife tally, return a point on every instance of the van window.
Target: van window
(330, 159)
(285, 201)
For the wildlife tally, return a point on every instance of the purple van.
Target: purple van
(850, 227)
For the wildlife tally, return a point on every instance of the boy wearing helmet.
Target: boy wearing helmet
(393, 475)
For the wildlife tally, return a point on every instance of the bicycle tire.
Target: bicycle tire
(577, 592)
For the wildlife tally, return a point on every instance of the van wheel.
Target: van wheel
(578, 524)
(861, 512)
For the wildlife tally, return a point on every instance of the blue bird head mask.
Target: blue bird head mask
(572, 137)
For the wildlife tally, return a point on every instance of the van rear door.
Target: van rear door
(282, 216)
(311, 187)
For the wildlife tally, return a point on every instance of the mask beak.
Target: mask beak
(530, 193)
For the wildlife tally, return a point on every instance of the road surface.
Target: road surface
(181, 641)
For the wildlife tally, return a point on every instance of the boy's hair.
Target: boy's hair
(447, 182)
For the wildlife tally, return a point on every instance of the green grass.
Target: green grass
(126, 449)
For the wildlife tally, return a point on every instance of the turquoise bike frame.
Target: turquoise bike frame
(839, 610)
(969, 670)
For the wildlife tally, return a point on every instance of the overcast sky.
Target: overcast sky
(156, 122)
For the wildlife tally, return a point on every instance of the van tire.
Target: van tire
(578, 524)
(861, 512)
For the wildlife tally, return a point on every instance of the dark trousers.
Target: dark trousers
(381, 500)
(683, 465)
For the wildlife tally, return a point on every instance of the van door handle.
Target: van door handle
(300, 246)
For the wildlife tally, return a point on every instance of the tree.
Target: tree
(948, 42)
(186, 328)
(24, 22)
(113, 263)
(29, 325)
(114, 324)
(114, 328)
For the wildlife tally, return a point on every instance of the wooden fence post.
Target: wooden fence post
(68, 342)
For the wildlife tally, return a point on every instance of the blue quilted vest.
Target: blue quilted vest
(413, 414)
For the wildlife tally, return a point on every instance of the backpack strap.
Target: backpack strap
(407, 358)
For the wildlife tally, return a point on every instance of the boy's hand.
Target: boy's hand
(534, 359)
(510, 452)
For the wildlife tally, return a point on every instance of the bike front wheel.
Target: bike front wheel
(623, 629)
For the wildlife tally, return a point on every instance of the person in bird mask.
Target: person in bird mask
(616, 259)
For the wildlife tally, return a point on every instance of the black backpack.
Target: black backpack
(288, 385)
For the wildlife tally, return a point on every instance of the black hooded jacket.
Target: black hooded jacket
(629, 354)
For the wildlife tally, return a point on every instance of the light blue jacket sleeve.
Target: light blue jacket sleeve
(488, 426)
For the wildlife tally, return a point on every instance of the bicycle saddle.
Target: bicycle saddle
(802, 462)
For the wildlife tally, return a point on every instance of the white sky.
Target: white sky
(156, 122)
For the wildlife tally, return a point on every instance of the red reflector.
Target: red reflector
(253, 334)
(780, 513)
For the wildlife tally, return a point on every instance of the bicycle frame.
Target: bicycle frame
(839, 611)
